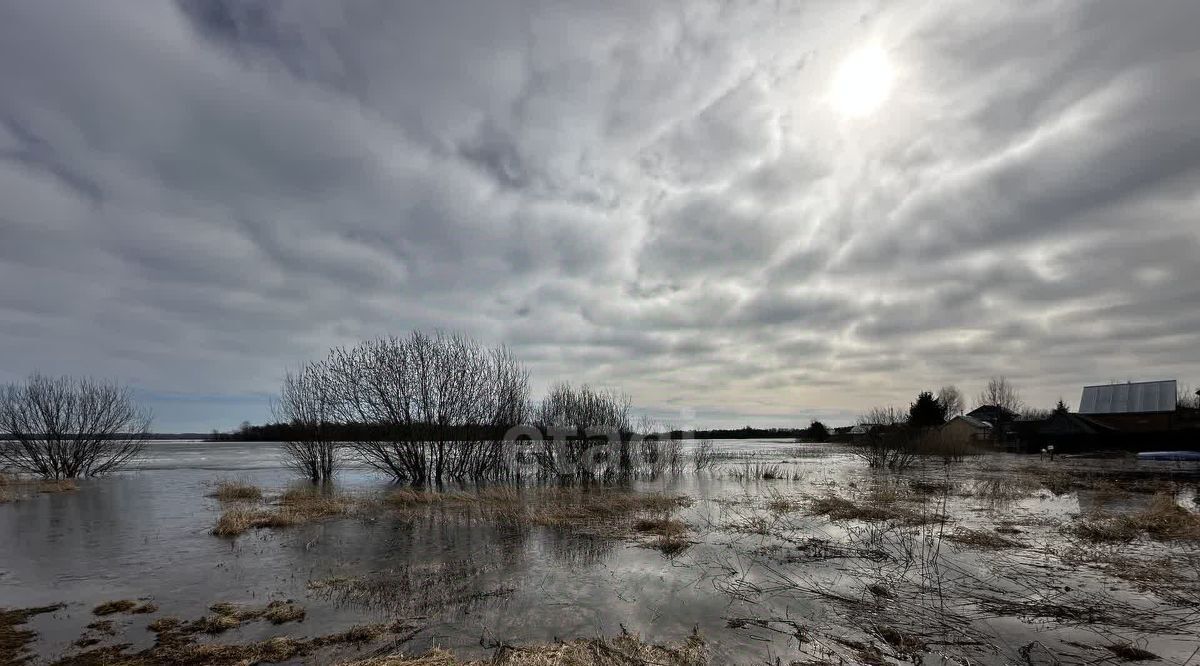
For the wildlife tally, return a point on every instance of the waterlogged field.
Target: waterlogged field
(771, 553)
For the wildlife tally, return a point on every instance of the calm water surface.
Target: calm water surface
(146, 534)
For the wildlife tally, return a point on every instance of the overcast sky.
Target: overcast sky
(718, 208)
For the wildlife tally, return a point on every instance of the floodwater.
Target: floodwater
(759, 583)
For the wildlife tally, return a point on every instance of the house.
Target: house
(968, 429)
(1068, 433)
(993, 414)
(1132, 406)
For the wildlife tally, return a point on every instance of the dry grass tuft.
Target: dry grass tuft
(236, 491)
(1130, 652)
(111, 607)
(280, 612)
(840, 508)
(669, 534)
(16, 488)
(176, 642)
(164, 624)
(144, 609)
(902, 642)
(1163, 520)
(982, 539)
(779, 503)
(296, 507)
(1003, 489)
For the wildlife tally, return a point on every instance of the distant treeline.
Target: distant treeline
(750, 433)
(350, 432)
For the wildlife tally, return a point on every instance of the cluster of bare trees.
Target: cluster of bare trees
(439, 406)
(584, 429)
(64, 428)
(429, 408)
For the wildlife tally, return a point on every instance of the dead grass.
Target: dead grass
(236, 491)
(669, 534)
(295, 507)
(840, 508)
(14, 640)
(600, 511)
(176, 644)
(1003, 489)
(279, 612)
(780, 503)
(16, 488)
(1130, 652)
(118, 606)
(1163, 519)
(625, 650)
(227, 615)
(982, 539)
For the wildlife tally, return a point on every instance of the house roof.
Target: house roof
(992, 413)
(1129, 398)
(1072, 424)
(978, 424)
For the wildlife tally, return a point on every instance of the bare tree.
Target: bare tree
(882, 416)
(1187, 398)
(434, 406)
(952, 399)
(63, 428)
(307, 403)
(1000, 393)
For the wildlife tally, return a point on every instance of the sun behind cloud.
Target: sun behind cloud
(863, 82)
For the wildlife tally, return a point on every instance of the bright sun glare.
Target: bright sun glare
(862, 82)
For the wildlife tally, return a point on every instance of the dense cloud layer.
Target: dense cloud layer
(655, 196)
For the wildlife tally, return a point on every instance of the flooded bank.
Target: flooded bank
(792, 552)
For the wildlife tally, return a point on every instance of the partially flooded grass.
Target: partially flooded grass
(982, 539)
(125, 606)
(412, 589)
(177, 642)
(669, 535)
(1163, 520)
(236, 491)
(15, 488)
(624, 650)
(14, 639)
(295, 507)
(1002, 490)
(603, 511)
(600, 511)
(842, 509)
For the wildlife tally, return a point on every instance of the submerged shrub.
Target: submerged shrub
(64, 428)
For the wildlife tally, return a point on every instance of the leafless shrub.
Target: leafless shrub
(308, 402)
(573, 419)
(705, 455)
(891, 450)
(63, 428)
